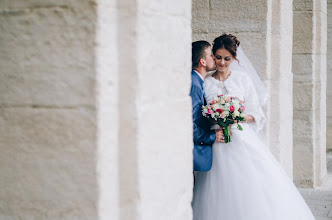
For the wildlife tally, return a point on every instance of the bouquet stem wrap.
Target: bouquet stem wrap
(227, 135)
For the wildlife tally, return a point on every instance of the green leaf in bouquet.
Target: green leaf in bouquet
(239, 127)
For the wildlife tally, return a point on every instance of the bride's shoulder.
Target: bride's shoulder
(240, 75)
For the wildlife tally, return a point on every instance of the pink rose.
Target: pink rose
(241, 102)
(223, 115)
(227, 100)
(231, 109)
(242, 108)
(210, 111)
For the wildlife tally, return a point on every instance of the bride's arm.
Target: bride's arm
(248, 119)
(254, 112)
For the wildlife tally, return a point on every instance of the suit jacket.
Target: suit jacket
(203, 136)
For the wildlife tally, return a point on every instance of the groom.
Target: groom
(202, 62)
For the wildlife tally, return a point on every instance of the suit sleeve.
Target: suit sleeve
(202, 134)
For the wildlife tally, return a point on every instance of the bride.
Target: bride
(245, 181)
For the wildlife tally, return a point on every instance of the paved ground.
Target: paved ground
(320, 199)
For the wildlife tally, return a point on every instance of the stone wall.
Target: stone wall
(265, 31)
(95, 116)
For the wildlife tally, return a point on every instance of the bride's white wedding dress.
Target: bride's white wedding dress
(245, 181)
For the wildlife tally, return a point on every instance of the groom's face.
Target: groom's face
(210, 64)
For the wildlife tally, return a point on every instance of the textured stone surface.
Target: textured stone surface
(309, 59)
(303, 33)
(280, 84)
(48, 113)
(154, 132)
(53, 65)
(329, 75)
(47, 165)
(107, 99)
(303, 5)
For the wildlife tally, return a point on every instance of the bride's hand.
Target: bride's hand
(220, 136)
(247, 119)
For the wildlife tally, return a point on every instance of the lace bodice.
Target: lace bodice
(239, 85)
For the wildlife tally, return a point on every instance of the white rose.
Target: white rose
(236, 105)
(215, 106)
(236, 113)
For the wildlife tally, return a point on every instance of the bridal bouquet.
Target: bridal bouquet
(224, 110)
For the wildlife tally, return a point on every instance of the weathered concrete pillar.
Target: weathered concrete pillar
(309, 68)
(155, 135)
(95, 116)
(329, 75)
(281, 85)
(265, 31)
(107, 116)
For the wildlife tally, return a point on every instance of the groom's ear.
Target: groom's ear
(202, 62)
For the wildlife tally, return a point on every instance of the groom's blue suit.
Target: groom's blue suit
(203, 136)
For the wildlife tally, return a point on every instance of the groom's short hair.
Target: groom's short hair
(198, 51)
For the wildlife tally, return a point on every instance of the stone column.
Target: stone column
(329, 75)
(320, 29)
(155, 135)
(95, 116)
(106, 94)
(264, 29)
(281, 85)
(309, 60)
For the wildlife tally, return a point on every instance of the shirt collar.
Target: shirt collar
(199, 75)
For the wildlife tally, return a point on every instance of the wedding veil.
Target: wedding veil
(244, 65)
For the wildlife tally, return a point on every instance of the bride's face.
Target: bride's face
(223, 59)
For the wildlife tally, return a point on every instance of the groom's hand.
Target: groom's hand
(220, 136)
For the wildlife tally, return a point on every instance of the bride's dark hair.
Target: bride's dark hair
(226, 41)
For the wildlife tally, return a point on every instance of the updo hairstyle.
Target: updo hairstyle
(228, 42)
